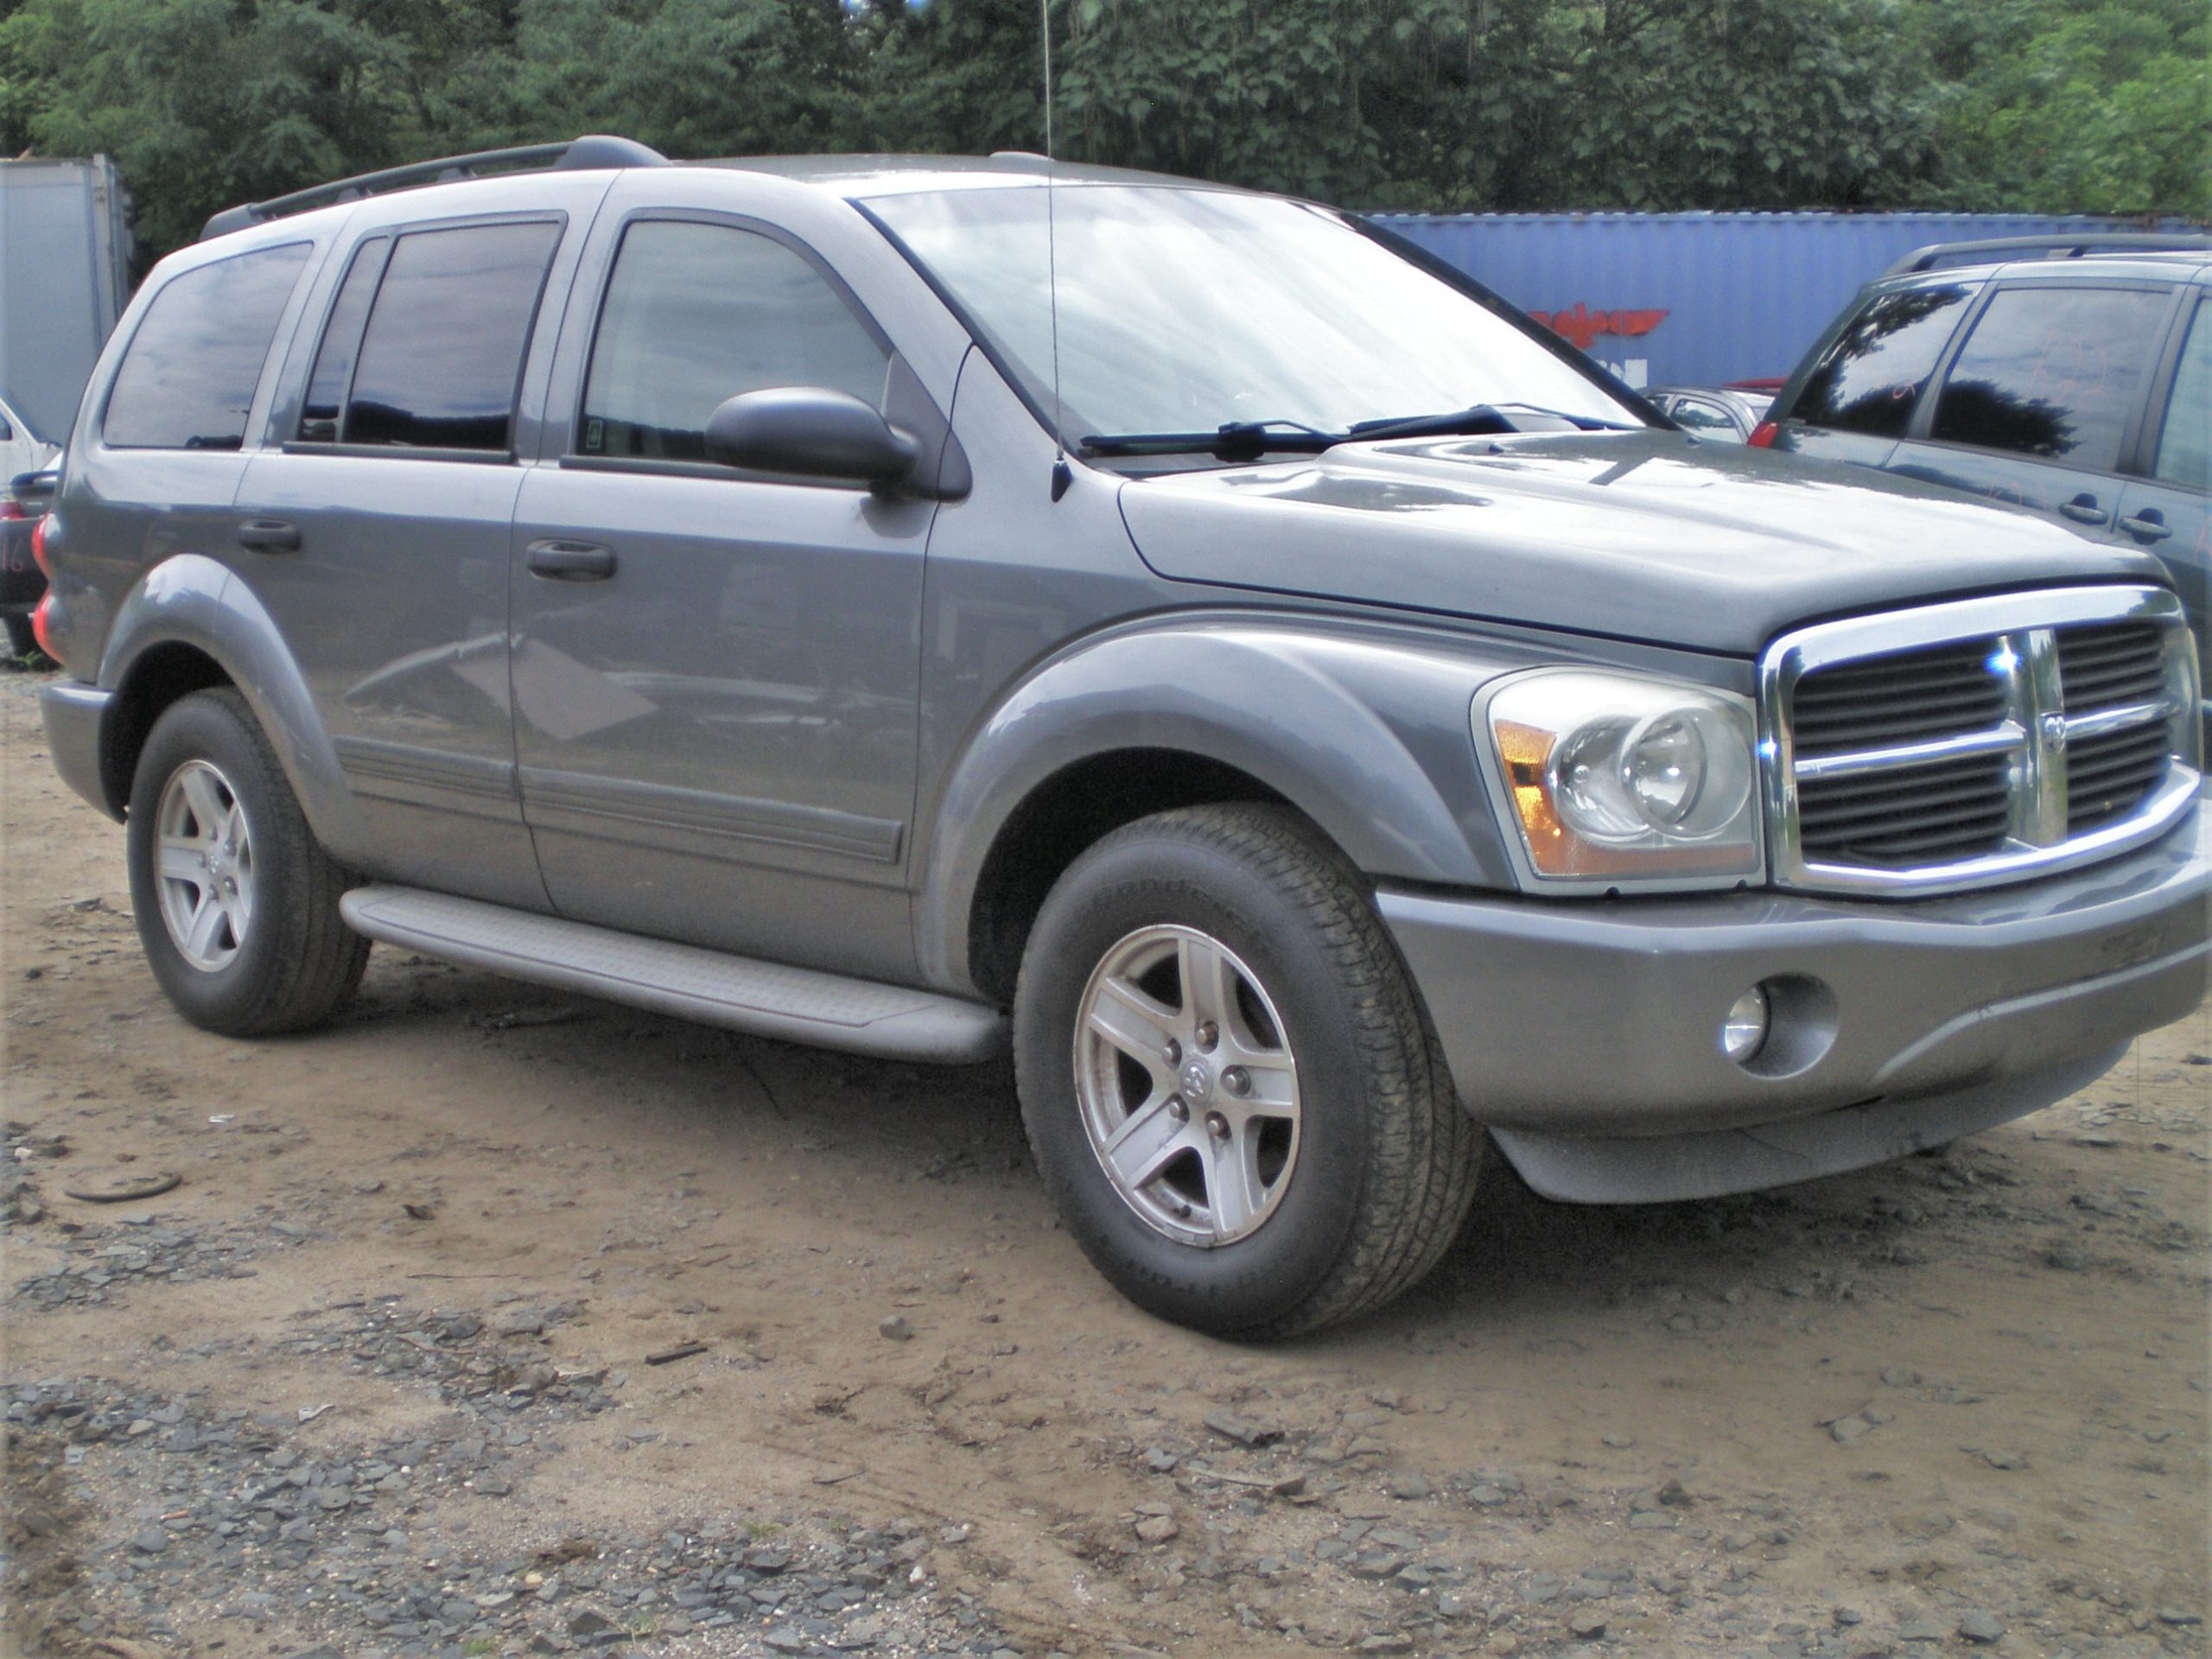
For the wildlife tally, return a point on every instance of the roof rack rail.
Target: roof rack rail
(1941, 254)
(592, 150)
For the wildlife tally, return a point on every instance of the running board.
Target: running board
(763, 998)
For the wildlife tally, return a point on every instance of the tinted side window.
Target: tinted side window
(695, 313)
(1870, 379)
(2052, 372)
(342, 342)
(443, 355)
(188, 376)
(2185, 443)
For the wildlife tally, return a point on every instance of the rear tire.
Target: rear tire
(236, 904)
(1276, 1153)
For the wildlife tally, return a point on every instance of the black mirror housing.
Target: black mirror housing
(811, 432)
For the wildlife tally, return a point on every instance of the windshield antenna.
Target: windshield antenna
(1062, 475)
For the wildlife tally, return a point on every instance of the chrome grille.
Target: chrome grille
(2110, 663)
(1937, 811)
(1894, 699)
(1960, 744)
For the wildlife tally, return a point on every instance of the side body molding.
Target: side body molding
(193, 600)
(1364, 728)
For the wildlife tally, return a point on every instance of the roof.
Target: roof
(901, 174)
(848, 175)
(2159, 266)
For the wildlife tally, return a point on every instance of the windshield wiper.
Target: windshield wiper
(1231, 441)
(1249, 439)
(1474, 418)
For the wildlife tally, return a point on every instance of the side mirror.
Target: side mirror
(813, 432)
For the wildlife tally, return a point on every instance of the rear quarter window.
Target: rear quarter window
(188, 376)
(1870, 379)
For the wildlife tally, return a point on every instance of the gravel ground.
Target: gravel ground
(493, 1322)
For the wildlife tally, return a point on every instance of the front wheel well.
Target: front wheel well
(161, 676)
(1063, 815)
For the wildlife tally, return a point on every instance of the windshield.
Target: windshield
(1183, 310)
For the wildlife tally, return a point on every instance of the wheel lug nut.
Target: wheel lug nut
(1208, 1034)
(1178, 1109)
(1174, 1052)
(1217, 1126)
(1236, 1080)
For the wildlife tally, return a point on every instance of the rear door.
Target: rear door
(2044, 398)
(376, 536)
(716, 673)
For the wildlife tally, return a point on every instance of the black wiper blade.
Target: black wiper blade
(1231, 441)
(1474, 419)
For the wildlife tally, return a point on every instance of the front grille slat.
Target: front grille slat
(2112, 666)
(2012, 683)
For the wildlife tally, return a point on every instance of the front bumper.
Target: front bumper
(1602, 1019)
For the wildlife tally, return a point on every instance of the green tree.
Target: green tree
(2072, 105)
(2097, 106)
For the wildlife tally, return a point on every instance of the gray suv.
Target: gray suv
(1323, 725)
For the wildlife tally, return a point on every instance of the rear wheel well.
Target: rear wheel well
(1062, 817)
(160, 677)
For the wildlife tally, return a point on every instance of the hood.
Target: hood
(1643, 536)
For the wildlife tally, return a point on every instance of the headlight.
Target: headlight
(1613, 775)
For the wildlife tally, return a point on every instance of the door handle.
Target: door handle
(269, 536)
(2148, 525)
(2083, 509)
(560, 561)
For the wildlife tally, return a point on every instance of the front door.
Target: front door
(716, 673)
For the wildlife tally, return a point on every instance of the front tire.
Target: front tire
(1230, 1088)
(236, 904)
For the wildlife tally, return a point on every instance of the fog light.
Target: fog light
(1743, 1033)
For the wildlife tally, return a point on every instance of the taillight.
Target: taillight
(38, 546)
(39, 630)
(1762, 436)
(11, 508)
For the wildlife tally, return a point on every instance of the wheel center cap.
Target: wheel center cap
(1198, 1081)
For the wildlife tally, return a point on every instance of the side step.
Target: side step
(797, 1004)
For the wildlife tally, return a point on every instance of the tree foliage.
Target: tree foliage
(2055, 104)
(2024, 104)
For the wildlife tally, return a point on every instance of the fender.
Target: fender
(1364, 728)
(191, 600)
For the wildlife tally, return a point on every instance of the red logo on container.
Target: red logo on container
(1582, 326)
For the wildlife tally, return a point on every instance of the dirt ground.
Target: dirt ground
(419, 1260)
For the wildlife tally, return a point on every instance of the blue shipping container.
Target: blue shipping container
(1695, 299)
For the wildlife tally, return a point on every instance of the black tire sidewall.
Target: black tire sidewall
(1145, 881)
(211, 727)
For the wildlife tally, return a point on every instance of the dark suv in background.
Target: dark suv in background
(2071, 378)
